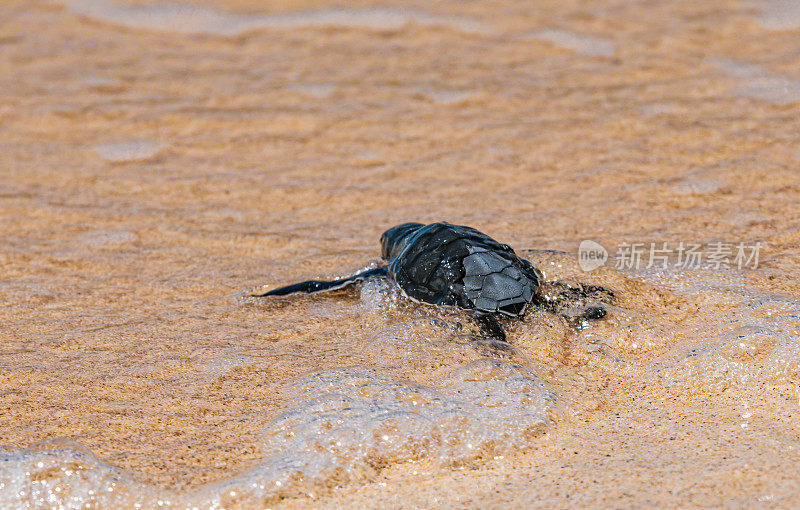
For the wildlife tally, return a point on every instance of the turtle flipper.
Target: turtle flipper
(490, 327)
(492, 339)
(312, 286)
(576, 303)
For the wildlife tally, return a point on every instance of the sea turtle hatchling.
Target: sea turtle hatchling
(452, 265)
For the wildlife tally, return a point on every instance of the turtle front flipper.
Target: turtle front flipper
(492, 338)
(314, 286)
(490, 327)
(577, 303)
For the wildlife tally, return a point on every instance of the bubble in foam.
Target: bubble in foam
(747, 342)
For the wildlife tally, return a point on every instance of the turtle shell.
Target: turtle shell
(447, 264)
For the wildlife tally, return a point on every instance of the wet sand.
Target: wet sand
(153, 166)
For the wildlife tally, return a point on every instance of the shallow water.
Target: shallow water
(184, 17)
(761, 84)
(425, 389)
(162, 158)
(779, 14)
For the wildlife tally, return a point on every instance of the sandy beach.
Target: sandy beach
(160, 159)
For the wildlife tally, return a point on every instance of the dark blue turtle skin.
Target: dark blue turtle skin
(454, 265)
(444, 264)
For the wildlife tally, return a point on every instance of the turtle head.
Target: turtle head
(393, 240)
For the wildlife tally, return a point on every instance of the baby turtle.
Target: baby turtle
(452, 265)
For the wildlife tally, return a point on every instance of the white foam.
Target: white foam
(128, 150)
(63, 474)
(108, 238)
(584, 44)
(697, 186)
(346, 424)
(187, 18)
(318, 90)
(655, 109)
(447, 96)
(744, 335)
(758, 83)
(98, 81)
(780, 15)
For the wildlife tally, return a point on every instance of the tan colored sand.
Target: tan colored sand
(279, 154)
